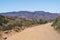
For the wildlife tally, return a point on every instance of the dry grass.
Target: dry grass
(1, 36)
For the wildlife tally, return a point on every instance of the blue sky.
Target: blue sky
(30, 5)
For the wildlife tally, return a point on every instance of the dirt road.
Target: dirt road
(41, 32)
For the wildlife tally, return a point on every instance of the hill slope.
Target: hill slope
(41, 32)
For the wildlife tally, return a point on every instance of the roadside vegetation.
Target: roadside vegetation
(56, 24)
(17, 24)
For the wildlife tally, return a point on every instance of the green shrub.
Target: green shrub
(1, 19)
(56, 24)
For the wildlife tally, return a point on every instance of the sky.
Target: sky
(30, 5)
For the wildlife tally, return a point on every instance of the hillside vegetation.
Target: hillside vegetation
(56, 24)
(9, 23)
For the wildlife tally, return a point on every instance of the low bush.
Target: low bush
(56, 24)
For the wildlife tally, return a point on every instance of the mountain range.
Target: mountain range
(36, 15)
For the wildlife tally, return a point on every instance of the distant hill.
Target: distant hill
(33, 15)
